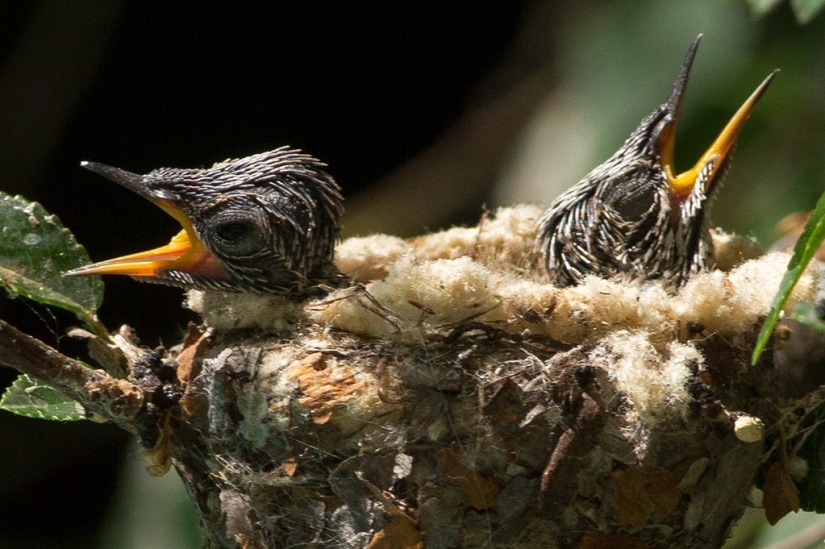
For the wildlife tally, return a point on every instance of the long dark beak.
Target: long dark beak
(714, 157)
(185, 252)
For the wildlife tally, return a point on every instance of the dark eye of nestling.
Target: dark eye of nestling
(237, 237)
(232, 232)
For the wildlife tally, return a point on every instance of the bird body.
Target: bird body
(632, 218)
(620, 222)
(267, 223)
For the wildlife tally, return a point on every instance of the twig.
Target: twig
(115, 399)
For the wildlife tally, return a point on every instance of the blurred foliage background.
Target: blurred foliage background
(424, 113)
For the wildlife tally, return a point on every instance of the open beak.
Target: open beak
(714, 157)
(184, 253)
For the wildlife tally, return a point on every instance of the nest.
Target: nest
(452, 396)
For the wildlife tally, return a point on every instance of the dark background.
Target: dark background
(382, 93)
(140, 85)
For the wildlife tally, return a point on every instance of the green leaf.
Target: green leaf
(805, 248)
(806, 10)
(34, 250)
(27, 397)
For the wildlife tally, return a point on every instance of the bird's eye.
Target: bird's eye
(237, 237)
(232, 232)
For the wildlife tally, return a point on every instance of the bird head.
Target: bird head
(267, 223)
(634, 216)
(706, 174)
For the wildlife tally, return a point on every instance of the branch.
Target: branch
(117, 400)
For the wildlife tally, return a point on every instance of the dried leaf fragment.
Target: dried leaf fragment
(400, 533)
(324, 389)
(781, 495)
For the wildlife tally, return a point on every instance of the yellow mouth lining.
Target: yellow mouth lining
(185, 252)
(684, 182)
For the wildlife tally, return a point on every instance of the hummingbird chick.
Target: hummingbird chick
(633, 217)
(267, 223)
